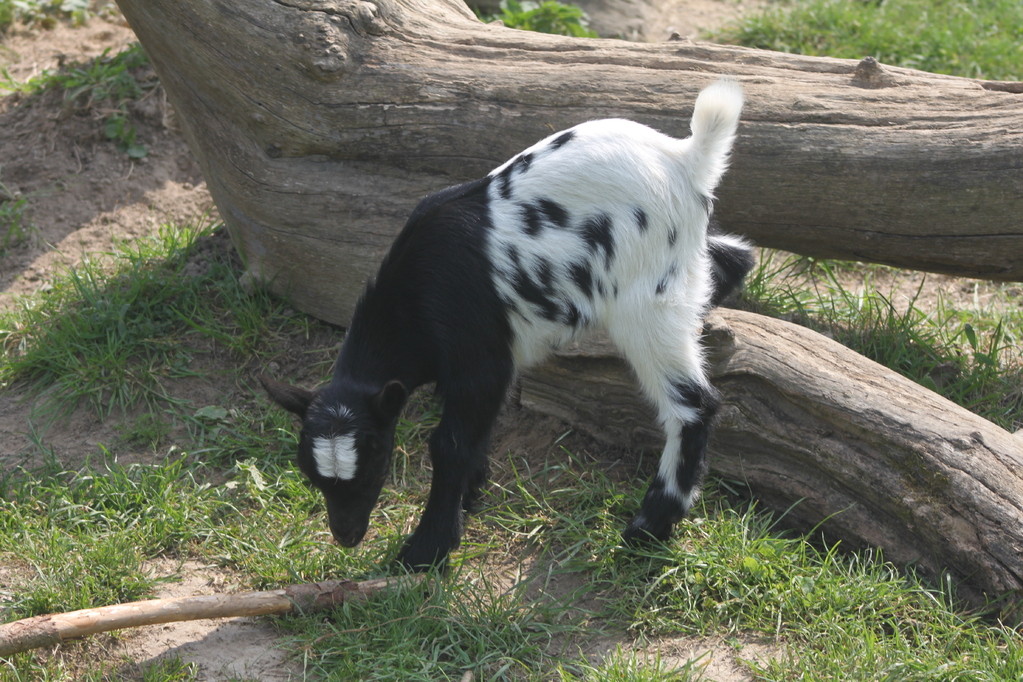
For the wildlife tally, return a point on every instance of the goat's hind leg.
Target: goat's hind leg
(683, 465)
(672, 376)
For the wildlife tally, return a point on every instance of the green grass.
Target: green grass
(104, 86)
(219, 487)
(46, 13)
(973, 38)
(729, 574)
(547, 16)
(971, 357)
(14, 228)
(109, 331)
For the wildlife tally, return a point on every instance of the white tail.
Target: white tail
(715, 118)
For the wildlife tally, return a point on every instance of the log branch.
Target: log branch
(320, 123)
(52, 629)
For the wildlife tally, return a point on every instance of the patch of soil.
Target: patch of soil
(83, 196)
(82, 193)
(221, 649)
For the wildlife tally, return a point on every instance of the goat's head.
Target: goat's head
(345, 446)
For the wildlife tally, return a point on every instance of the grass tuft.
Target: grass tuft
(46, 13)
(109, 331)
(971, 38)
(104, 86)
(14, 228)
(970, 357)
(546, 16)
(448, 628)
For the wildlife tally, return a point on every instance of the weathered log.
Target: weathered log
(54, 628)
(319, 123)
(816, 429)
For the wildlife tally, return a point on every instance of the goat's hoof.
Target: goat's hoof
(419, 559)
(641, 531)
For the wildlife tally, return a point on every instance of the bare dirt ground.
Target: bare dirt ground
(84, 195)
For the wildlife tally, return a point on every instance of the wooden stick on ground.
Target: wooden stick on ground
(54, 628)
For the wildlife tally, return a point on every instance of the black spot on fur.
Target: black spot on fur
(545, 274)
(519, 165)
(599, 234)
(665, 281)
(571, 316)
(703, 400)
(672, 237)
(583, 278)
(513, 255)
(642, 220)
(532, 220)
(686, 393)
(562, 139)
(554, 212)
(729, 265)
(504, 181)
(694, 449)
(533, 294)
(535, 288)
(544, 213)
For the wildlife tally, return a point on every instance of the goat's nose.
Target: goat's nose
(348, 537)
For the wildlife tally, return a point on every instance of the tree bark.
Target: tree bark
(320, 123)
(51, 629)
(835, 441)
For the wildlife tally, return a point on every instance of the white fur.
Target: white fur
(715, 118)
(610, 167)
(336, 457)
(657, 286)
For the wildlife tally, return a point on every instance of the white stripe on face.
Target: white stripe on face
(335, 457)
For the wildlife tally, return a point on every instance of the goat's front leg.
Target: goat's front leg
(458, 451)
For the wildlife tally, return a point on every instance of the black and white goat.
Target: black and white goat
(602, 225)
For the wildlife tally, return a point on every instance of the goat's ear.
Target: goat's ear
(388, 402)
(291, 398)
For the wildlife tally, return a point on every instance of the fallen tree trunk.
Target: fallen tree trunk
(52, 629)
(319, 123)
(842, 443)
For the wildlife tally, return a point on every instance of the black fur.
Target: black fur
(730, 265)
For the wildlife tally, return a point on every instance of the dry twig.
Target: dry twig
(54, 628)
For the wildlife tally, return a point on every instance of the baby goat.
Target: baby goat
(602, 225)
